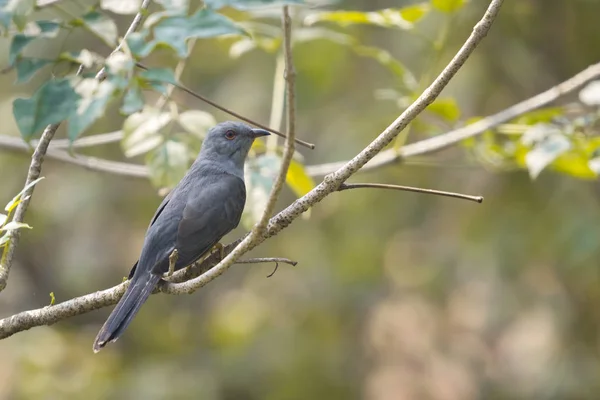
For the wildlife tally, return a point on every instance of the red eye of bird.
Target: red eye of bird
(230, 135)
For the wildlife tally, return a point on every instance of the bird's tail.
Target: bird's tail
(135, 295)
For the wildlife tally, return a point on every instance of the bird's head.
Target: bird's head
(230, 141)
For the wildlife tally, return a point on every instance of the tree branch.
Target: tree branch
(347, 186)
(331, 183)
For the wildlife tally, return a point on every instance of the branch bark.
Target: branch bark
(330, 184)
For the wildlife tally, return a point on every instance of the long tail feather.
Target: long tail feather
(137, 293)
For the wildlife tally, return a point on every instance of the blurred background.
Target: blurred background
(395, 296)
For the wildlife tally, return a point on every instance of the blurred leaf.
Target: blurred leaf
(17, 11)
(43, 29)
(17, 199)
(447, 108)
(448, 6)
(156, 77)
(121, 6)
(542, 115)
(574, 164)
(176, 6)
(133, 100)
(100, 25)
(403, 18)
(176, 30)
(141, 131)
(388, 61)
(52, 103)
(84, 56)
(298, 180)
(196, 122)
(14, 225)
(27, 67)
(4, 239)
(548, 145)
(3, 218)
(259, 176)
(52, 298)
(590, 94)
(247, 4)
(168, 163)
(94, 97)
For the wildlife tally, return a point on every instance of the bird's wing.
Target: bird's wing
(209, 214)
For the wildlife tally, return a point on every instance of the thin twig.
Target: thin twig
(34, 172)
(268, 260)
(87, 141)
(233, 113)
(135, 23)
(331, 183)
(347, 186)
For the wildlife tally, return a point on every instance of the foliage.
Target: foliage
(6, 226)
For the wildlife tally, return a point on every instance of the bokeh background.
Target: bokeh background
(395, 296)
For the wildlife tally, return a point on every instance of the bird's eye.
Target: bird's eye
(230, 135)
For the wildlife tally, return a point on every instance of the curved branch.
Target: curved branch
(331, 183)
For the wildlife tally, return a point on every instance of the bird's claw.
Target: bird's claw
(172, 261)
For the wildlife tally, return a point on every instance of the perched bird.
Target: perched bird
(204, 206)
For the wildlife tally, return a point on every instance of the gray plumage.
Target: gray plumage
(204, 206)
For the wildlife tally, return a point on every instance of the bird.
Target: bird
(191, 220)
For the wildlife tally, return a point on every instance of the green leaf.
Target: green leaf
(446, 108)
(52, 298)
(168, 163)
(159, 75)
(260, 176)
(448, 6)
(175, 31)
(42, 29)
(298, 180)
(94, 97)
(27, 67)
(17, 199)
(14, 225)
(248, 4)
(52, 103)
(17, 11)
(3, 218)
(101, 26)
(133, 100)
(403, 18)
(196, 122)
(141, 131)
(388, 61)
(175, 6)
(121, 6)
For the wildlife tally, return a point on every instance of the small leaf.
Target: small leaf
(168, 163)
(121, 6)
(446, 108)
(196, 122)
(52, 103)
(3, 218)
(402, 18)
(590, 94)
(176, 6)
(141, 131)
(4, 239)
(101, 26)
(14, 225)
(157, 76)
(248, 4)
(42, 29)
(27, 67)
(15, 201)
(52, 297)
(94, 97)
(545, 152)
(133, 100)
(18, 11)
(175, 31)
(85, 57)
(448, 6)
(298, 180)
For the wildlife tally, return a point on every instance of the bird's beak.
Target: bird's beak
(259, 132)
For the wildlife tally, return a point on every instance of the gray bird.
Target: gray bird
(204, 206)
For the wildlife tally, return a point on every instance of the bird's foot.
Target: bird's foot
(221, 249)
(172, 261)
